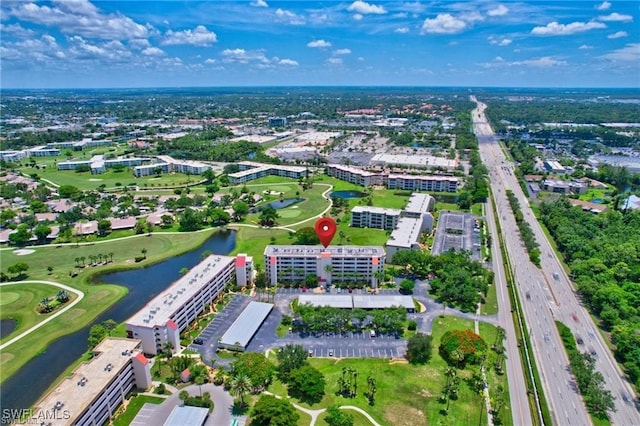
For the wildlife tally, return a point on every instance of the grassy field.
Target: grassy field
(98, 297)
(19, 302)
(86, 181)
(358, 418)
(134, 406)
(406, 394)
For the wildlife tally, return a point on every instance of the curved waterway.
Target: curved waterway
(24, 388)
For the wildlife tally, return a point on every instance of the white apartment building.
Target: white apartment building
(355, 175)
(10, 156)
(339, 263)
(250, 170)
(430, 183)
(374, 217)
(95, 389)
(163, 318)
(406, 236)
(98, 164)
(419, 204)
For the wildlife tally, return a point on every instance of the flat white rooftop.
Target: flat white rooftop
(353, 170)
(419, 203)
(75, 393)
(160, 309)
(382, 301)
(414, 160)
(315, 251)
(183, 415)
(343, 301)
(377, 210)
(246, 325)
(406, 234)
(424, 177)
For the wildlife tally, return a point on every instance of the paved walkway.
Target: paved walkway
(315, 413)
(78, 293)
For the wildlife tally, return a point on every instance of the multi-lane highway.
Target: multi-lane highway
(547, 295)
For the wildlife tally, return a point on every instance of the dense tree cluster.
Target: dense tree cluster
(258, 369)
(325, 319)
(462, 346)
(459, 281)
(272, 411)
(419, 348)
(526, 233)
(591, 383)
(603, 254)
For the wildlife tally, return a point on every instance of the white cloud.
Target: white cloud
(629, 53)
(400, 15)
(360, 58)
(80, 17)
(619, 34)
(616, 17)
(113, 51)
(605, 5)
(499, 41)
(443, 23)
(543, 62)
(342, 52)
(289, 17)
(501, 10)
(139, 43)
(334, 61)
(585, 47)
(365, 8)
(16, 30)
(259, 3)
(200, 36)
(153, 51)
(357, 17)
(319, 44)
(556, 29)
(288, 62)
(210, 61)
(401, 30)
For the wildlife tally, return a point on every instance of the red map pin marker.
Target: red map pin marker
(325, 230)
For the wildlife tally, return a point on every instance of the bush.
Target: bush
(461, 346)
(161, 389)
(139, 258)
(412, 325)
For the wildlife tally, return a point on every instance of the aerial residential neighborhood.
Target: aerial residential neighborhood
(343, 214)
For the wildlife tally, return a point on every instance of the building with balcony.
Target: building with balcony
(159, 323)
(374, 217)
(96, 388)
(251, 171)
(334, 263)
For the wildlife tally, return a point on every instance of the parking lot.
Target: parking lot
(457, 231)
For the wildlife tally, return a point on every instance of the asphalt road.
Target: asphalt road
(547, 294)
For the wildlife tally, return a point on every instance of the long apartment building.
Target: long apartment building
(95, 389)
(98, 164)
(431, 183)
(334, 263)
(160, 322)
(374, 217)
(167, 164)
(250, 170)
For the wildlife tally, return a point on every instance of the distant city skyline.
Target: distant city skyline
(113, 44)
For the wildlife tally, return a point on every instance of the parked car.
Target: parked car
(198, 341)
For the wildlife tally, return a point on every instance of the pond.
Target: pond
(347, 194)
(280, 204)
(597, 200)
(7, 326)
(23, 388)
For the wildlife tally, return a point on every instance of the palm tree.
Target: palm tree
(44, 301)
(144, 252)
(62, 296)
(268, 216)
(77, 259)
(82, 258)
(457, 356)
(240, 386)
(99, 257)
(111, 256)
(379, 275)
(500, 335)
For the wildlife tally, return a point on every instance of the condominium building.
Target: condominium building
(160, 322)
(250, 171)
(419, 204)
(95, 389)
(11, 155)
(354, 175)
(406, 236)
(431, 183)
(374, 217)
(98, 164)
(334, 263)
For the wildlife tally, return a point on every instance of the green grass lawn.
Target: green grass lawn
(86, 181)
(20, 302)
(490, 306)
(134, 406)
(98, 296)
(406, 394)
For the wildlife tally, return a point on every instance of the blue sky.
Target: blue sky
(86, 44)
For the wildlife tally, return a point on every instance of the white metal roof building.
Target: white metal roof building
(343, 301)
(250, 171)
(184, 415)
(238, 336)
(358, 301)
(417, 161)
